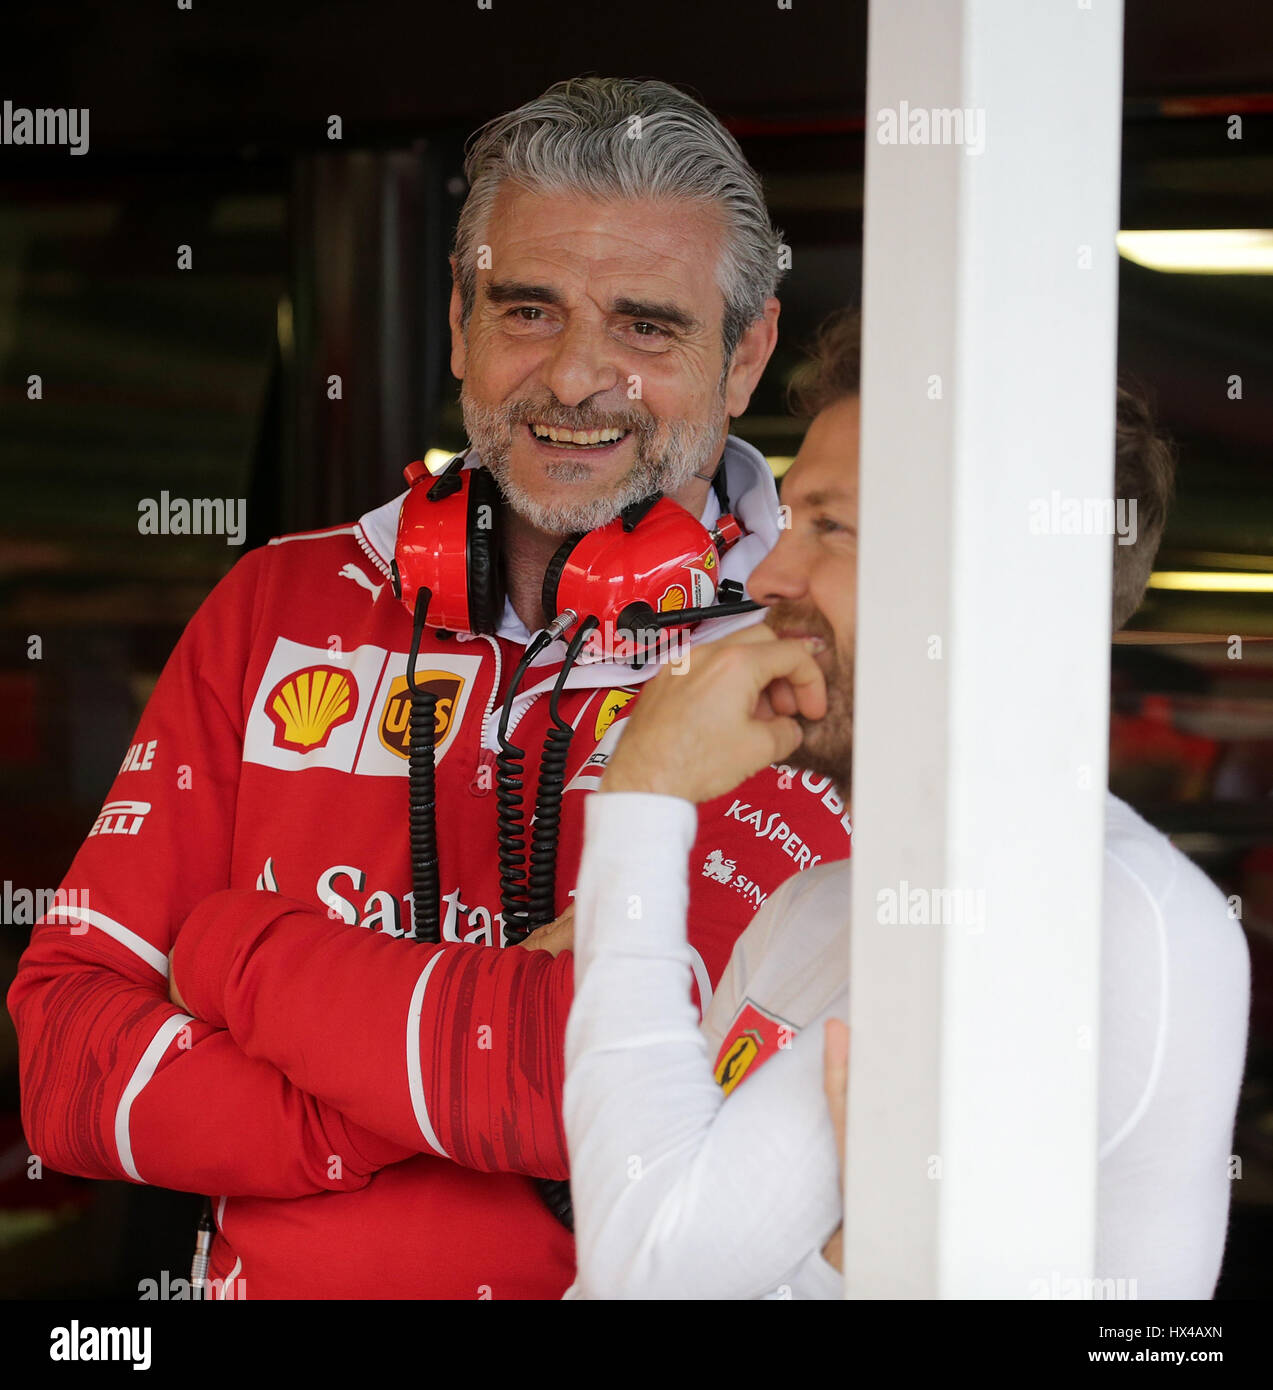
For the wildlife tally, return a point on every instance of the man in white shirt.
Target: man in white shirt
(703, 1159)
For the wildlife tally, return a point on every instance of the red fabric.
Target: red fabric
(294, 1079)
(491, 1026)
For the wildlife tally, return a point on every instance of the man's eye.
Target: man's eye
(524, 309)
(826, 523)
(655, 330)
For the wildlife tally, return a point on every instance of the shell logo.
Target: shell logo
(306, 706)
(672, 597)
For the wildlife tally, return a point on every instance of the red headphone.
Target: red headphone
(653, 560)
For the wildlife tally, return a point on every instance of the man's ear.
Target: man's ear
(457, 331)
(751, 356)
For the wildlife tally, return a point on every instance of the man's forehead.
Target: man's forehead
(824, 477)
(825, 468)
(663, 246)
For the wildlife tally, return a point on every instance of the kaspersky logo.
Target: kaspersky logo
(307, 706)
(395, 716)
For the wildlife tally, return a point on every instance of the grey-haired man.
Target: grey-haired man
(238, 1015)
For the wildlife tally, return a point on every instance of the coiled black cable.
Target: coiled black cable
(423, 824)
(509, 768)
(542, 896)
(555, 1192)
(422, 793)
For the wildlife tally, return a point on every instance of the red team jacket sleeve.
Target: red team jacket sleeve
(116, 1082)
(457, 1050)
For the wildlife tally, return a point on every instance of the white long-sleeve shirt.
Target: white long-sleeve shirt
(702, 1159)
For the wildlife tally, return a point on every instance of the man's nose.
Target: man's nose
(782, 574)
(581, 364)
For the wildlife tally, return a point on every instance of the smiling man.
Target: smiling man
(239, 1014)
(612, 339)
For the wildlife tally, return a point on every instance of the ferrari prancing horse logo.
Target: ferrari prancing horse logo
(611, 707)
(753, 1037)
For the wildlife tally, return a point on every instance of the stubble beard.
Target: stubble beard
(668, 455)
(827, 746)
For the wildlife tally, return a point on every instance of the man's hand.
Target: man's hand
(697, 734)
(835, 1083)
(555, 937)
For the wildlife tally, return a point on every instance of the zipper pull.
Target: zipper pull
(483, 774)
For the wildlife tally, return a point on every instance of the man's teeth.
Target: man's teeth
(577, 436)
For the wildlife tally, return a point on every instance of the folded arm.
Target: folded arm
(456, 1050)
(116, 1082)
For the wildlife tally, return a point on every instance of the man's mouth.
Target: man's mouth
(553, 436)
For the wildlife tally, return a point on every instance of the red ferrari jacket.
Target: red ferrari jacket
(367, 1111)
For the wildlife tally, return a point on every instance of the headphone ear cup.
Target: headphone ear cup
(485, 553)
(548, 595)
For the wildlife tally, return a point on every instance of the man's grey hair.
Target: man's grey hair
(613, 138)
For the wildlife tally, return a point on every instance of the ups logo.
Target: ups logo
(395, 718)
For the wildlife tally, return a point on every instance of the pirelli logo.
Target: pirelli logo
(350, 711)
(120, 818)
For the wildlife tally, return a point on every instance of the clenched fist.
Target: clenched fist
(698, 733)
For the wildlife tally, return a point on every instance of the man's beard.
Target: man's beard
(668, 454)
(827, 747)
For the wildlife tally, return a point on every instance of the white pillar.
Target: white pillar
(990, 319)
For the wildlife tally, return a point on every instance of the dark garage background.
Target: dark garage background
(312, 257)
